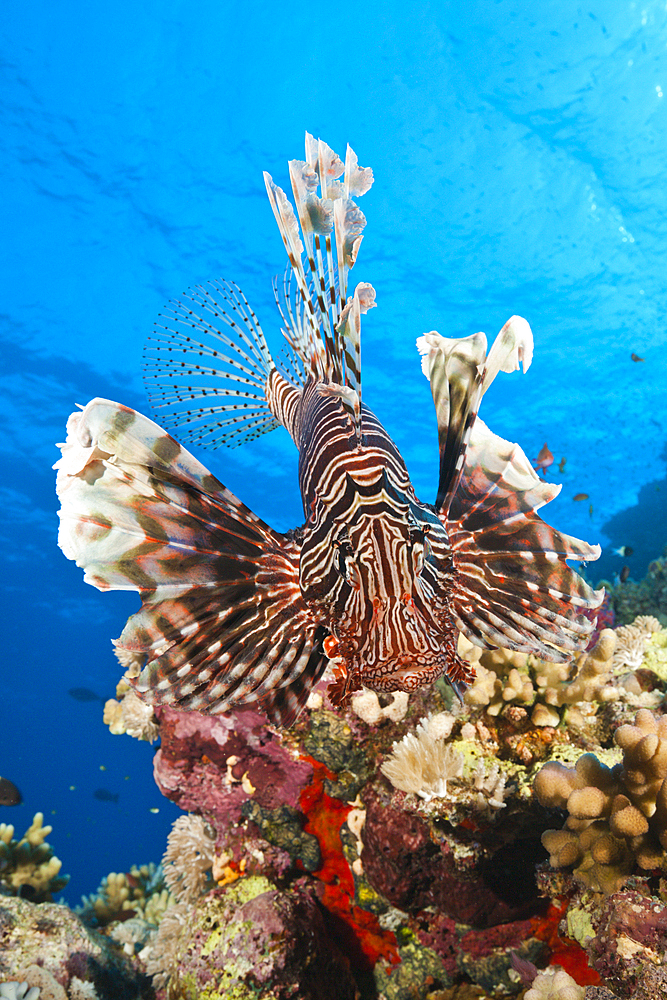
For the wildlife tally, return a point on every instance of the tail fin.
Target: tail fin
(512, 584)
(222, 620)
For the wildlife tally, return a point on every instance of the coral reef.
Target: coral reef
(251, 939)
(130, 715)
(48, 946)
(313, 806)
(28, 867)
(390, 846)
(645, 597)
(540, 687)
(617, 817)
(141, 892)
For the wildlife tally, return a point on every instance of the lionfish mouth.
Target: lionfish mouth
(402, 672)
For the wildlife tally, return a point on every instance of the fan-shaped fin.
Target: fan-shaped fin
(208, 383)
(512, 585)
(222, 620)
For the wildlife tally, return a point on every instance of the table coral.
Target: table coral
(617, 816)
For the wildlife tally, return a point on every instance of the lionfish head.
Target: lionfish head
(381, 575)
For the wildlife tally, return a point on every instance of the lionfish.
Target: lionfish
(376, 583)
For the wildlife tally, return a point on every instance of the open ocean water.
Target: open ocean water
(519, 153)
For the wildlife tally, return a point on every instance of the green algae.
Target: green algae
(420, 971)
(331, 741)
(241, 892)
(579, 925)
(283, 827)
(655, 655)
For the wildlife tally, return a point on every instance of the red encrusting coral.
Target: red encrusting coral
(564, 952)
(325, 816)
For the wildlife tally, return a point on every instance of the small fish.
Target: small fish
(635, 357)
(154, 810)
(376, 580)
(580, 496)
(623, 551)
(84, 694)
(561, 464)
(544, 459)
(9, 793)
(624, 574)
(590, 510)
(104, 795)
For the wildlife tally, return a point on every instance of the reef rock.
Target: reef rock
(253, 940)
(47, 946)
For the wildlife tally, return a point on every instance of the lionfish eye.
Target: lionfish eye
(344, 551)
(420, 546)
(345, 563)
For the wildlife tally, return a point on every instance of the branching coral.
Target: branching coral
(617, 816)
(189, 857)
(140, 891)
(29, 861)
(130, 715)
(505, 677)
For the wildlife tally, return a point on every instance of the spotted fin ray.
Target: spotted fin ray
(222, 620)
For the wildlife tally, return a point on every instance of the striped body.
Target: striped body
(375, 581)
(375, 563)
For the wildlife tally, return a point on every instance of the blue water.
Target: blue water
(519, 161)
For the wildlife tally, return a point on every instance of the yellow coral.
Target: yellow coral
(30, 861)
(506, 677)
(616, 816)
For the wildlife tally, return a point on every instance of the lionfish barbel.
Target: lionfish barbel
(376, 582)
